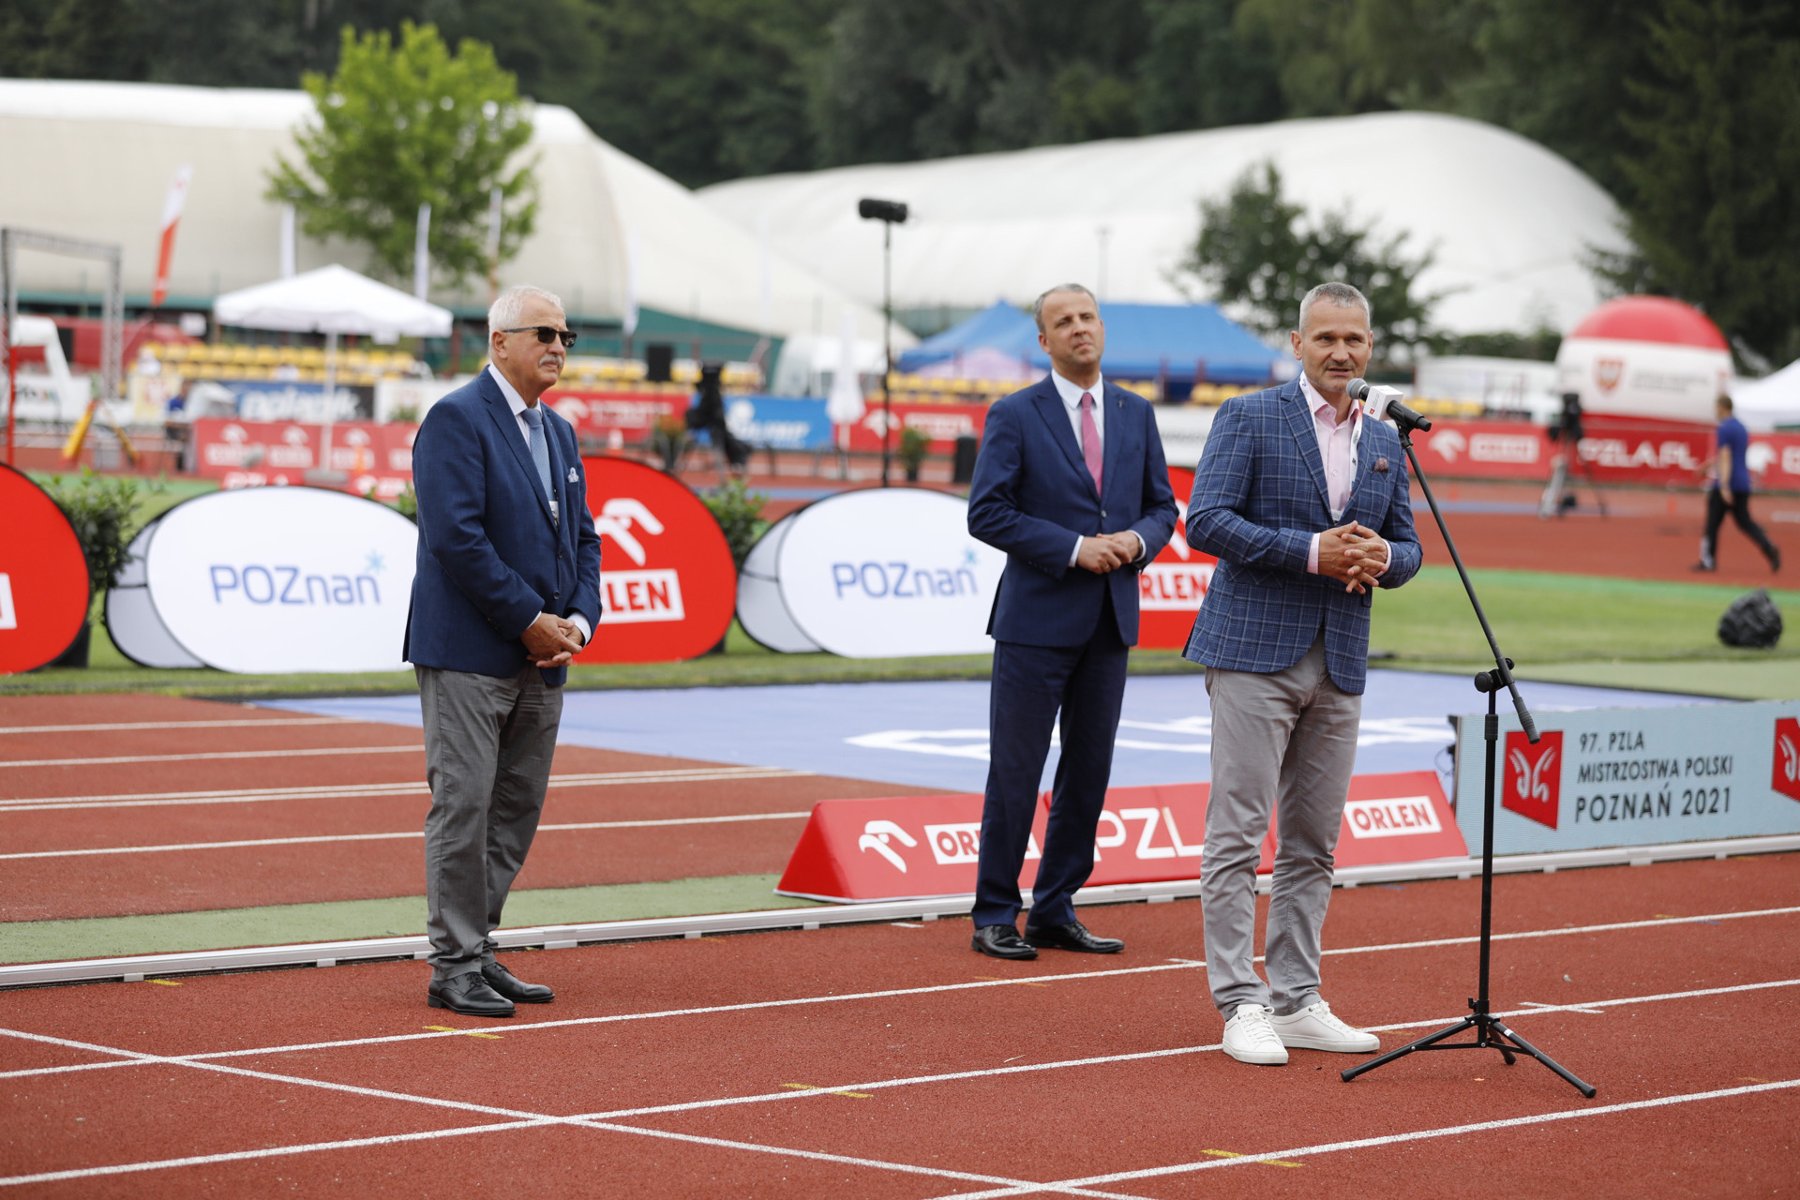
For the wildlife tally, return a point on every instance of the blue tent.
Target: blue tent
(1181, 343)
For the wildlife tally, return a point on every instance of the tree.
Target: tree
(1712, 180)
(400, 126)
(1257, 255)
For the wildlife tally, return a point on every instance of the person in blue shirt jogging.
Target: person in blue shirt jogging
(1730, 492)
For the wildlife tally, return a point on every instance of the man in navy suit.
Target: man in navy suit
(1070, 483)
(507, 590)
(1304, 500)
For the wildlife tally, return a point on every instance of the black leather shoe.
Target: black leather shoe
(469, 995)
(514, 988)
(1073, 936)
(1001, 941)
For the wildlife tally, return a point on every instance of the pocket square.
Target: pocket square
(573, 478)
(1380, 466)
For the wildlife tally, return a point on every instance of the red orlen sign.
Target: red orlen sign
(632, 414)
(667, 582)
(1784, 769)
(914, 846)
(1531, 783)
(375, 458)
(43, 577)
(1171, 588)
(942, 423)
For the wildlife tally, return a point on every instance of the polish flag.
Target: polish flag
(171, 215)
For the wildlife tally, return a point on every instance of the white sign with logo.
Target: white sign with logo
(270, 580)
(887, 573)
(132, 621)
(1634, 776)
(760, 609)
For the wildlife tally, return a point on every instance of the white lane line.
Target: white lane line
(411, 787)
(212, 756)
(401, 836)
(123, 726)
(513, 1118)
(1391, 1139)
(969, 985)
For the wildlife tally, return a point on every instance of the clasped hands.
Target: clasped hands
(1107, 552)
(1353, 554)
(552, 641)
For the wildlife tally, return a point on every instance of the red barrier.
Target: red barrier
(911, 847)
(1613, 450)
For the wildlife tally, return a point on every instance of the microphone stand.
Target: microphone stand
(1490, 1032)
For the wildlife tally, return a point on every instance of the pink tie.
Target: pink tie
(1090, 438)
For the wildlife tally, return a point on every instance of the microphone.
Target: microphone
(1378, 402)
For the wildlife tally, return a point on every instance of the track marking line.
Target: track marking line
(510, 1120)
(124, 726)
(938, 989)
(1396, 1139)
(414, 835)
(1536, 1004)
(213, 756)
(474, 1033)
(406, 788)
(1036, 983)
(1272, 1162)
(813, 1087)
(165, 982)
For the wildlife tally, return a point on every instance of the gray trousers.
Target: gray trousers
(1284, 742)
(488, 744)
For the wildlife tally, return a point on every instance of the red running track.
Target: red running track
(888, 1060)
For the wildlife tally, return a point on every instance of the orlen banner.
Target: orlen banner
(923, 846)
(942, 423)
(376, 458)
(1635, 776)
(1613, 450)
(270, 580)
(666, 577)
(43, 577)
(882, 573)
(631, 414)
(1171, 588)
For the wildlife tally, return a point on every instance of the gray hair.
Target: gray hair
(1336, 293)
(509, 307)
(1037, 306)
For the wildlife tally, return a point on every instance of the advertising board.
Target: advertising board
(43, 577)
(1634, 776)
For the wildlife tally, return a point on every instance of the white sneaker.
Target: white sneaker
(1250, 1038)
(1315, 1028)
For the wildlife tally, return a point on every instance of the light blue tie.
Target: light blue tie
(540, 449)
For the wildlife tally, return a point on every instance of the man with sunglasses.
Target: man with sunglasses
(507, 591)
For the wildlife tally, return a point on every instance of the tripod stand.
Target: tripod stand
(1490, 1032)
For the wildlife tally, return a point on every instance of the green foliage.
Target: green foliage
(400, 126)
(103, 510)
(914, 444)
(669, 441)
(739, 514)
(1713, 180)
(1259, 255)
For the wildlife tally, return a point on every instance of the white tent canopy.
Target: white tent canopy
(332, 300)
(1770, 402)
(1510, 223)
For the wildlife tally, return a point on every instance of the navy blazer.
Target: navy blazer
(1032, 495)
(490, 559)
(1259, 496)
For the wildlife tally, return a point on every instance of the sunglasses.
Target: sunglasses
(545, 333)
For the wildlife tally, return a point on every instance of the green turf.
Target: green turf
(286, 924)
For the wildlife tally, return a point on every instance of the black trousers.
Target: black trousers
(1739, 508)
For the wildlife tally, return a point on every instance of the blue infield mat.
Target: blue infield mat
(935, 734)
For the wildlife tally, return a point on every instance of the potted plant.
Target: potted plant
(668, 440)
(102, 510)
(914, 442)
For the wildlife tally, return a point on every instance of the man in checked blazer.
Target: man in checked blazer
(1304, 500)
(1070, 483)
(507, 590)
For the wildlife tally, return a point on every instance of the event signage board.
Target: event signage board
(888, 573)
(779, 422)
(275, 580)
(631, 415)
(132, 622)
(909, 847)
(1172, 587)
(1613, 450)
(376, 458)
(760, 610)
(1634, 776)
(942, 423)
(667, 580)
(43, 577)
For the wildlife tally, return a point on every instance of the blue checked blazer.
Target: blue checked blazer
(1259, 496)
(1032, 494)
